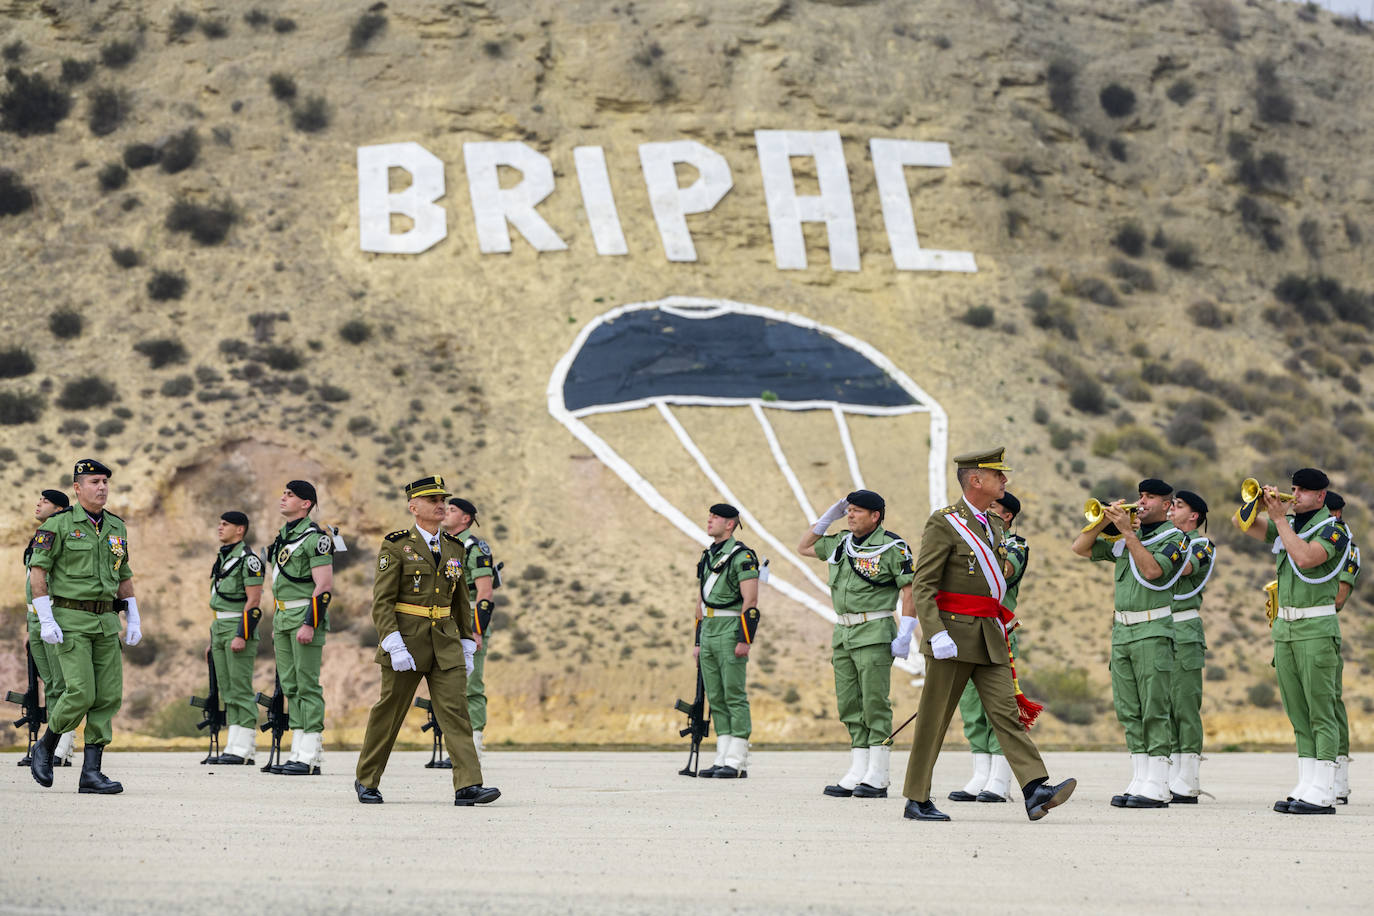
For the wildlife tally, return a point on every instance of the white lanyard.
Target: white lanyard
(1280, 549)
(1119, 548)
(1210, 567)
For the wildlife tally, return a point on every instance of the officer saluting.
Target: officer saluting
(80, 575)
(45, 657)
(958, 592)
(420, 607)
(235, 591)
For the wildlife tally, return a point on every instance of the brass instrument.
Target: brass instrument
(1271, 601)
(1250, 493)
(1093, 511)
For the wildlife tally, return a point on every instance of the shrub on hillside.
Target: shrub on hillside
(15, 362)
(178, 386)
(31, 105)
(214, 29)
(1310, 234)
(180, 24)
(1133, 276)
(257, 18)
(1059, 80)
(282, 359)
(356, 331)
(1181, 255)
(1052, 315)
(1117, 148)
(283, 87)
(367, 27)
(979, 316)
(111, 427)
(1086, 394)
(1260, 222)
(1181, 91)
(13, 51)
(1067, 693)
(161, 351)
(333, 393)
(20, 407)
(76, 71)
(107, 109)
(15, 197)
(282, 25)
(166, 284)
(312, 115)
(125, 257)
(1116, 100)
(179, 153)
(1094, 289)
(206, 224)
(140, 155)
(1271, 102)
(118, 54)
(1261, 694)
(1206, 314)
(1130, 238)
(112, 176)
(65, 324)
(86, 392)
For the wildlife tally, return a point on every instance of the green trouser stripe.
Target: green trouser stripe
(1142, 683)
(45, 660)
(298, 667)
(234, 674)
(723, 675)
(1186, 713)
(863, 681)
(93, 672)
(477, 689)
(1309, 672)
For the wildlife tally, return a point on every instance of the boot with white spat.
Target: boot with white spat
(1139, 764)
(722, 745)
(1154, 791)
(292, 754)
(982, 766)
(1306, 767)
(998, 788)
(1343, 780)
(1185, 786)
(309, 751)
(240, 748)
(62, 757)
(858, 769)
(1319, 795)
(736, 753)
(875, 781)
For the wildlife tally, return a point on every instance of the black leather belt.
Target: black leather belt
(95, 607)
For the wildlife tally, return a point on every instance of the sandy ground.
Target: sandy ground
(585, 832)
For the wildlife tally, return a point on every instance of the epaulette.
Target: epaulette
(456, 540)
(948, 509)
(893, 536)
(398, 535)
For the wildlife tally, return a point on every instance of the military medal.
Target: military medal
(452, 567)
(416, 583)
(117, 548)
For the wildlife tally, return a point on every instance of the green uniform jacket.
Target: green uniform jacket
(478, 563)
(406, 574)
(728, 567)
(315, 548)
(947, 563)
(1351, 570)
(1167, 545)
(851, 593)
(236, 568)
(1202, 555)
(1324, 529)
(1018, 555)
(28, 586)
(82, 564)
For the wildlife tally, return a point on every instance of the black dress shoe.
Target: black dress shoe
(923, 811)
(94, 782)
(986, 796)
(864, 790)
(1177, 799)
(1281, 806)
(961, 795)
(1141, 801)
(229, 760)
(274, 769)
(298, 768)
(365, 795)
(838, 791)
(476, 795)
(1045, 796)
(1298, 806)
(1122, 800)
(40, 764)
(725, 772)
(707, 773)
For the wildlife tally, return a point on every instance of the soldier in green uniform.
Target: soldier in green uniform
(50, 502)
(420, 607)
(959, 589)
(80, 576)
(1187, 513)
(868, 567)
(991, 781)
(1148, 563)
(235, 592)
(727, 616)
(1335, 504)
(482, 577)
(302, 560)
(1311, 551)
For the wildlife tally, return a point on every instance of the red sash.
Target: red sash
(985, 606)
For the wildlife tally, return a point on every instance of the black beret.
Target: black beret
(1155, 487)
(1010, 503)
(1194, 502)
(466, 506)
(725, 510)
(57, 498)
(866, 499)
(1334, 501)
(235, 518)
(1310, 479)
(88, 466)
(303, 489)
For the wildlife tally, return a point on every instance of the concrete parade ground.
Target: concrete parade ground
(582, 832)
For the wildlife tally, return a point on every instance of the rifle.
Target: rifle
(437, 760)
(277, 722)
(34, 714)
(215, 718)
(698, 726)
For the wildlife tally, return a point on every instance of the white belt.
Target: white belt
(718, 612)
(288, 605)
(228, 615)
(850, 620)
(1301, 613)
(1130, 618)
(1185, 615)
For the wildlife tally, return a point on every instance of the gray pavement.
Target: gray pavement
(622, 832)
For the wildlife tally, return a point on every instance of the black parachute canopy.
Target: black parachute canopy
(651, 353)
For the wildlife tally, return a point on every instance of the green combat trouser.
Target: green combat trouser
(234, 673)
(298, 667)
(477, 690)
(93, 671)
(863, 681)
(1142, 684)
(1342, 720)
(1309, 673)
(978, 731)
(1185, 718)
(45, 659)
(723, 675)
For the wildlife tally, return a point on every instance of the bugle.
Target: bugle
(1093, 511)
(1250, 493)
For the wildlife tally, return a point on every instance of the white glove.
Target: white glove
(943, 646)
(52, 633)
(469, 650)
(901, 646)
(133, 633)
(829, 517)
(401, 659)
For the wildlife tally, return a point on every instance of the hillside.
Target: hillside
(1165, 201)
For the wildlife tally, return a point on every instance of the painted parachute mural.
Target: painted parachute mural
(681, 354)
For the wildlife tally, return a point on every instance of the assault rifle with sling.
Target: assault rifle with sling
(215, 718)
(698, 726)
(437, 760)
(34, 713)
(277, 722)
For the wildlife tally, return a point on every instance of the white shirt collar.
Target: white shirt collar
(429, 537)
(972, 509)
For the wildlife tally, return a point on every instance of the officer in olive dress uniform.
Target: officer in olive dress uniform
(991, 781)
(80, 575)
(302, 563)
(1148, 564)
(958, 589)
(482, 576)
(50, 502)
(235, 594)
(727, 617)
(868, 569)
(421, 611)
(1187, 513)
(1311, 551)
(1350, 572)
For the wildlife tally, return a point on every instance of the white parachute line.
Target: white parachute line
(776, 448)
(848, 444)
(749, 518)
(701, 400)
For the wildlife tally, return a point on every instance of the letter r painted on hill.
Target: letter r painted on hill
(376, 202)
(494, 207)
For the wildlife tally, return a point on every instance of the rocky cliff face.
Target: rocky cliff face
(1166, 203)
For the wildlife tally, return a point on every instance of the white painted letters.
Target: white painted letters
(670, 203)
(598, 200)
(376, 203)
(493, 206)
(834, 206)
(890, 157)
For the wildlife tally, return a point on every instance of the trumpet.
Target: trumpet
(1250, 493)
(1093, 511)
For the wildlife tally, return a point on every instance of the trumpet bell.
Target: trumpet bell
(1093, 511)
